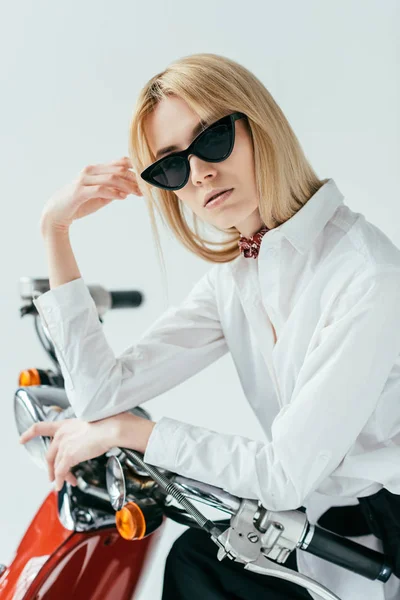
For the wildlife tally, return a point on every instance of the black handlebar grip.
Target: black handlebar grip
(350, 555)
(126, 299)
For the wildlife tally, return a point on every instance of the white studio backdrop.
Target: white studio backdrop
(70, 75)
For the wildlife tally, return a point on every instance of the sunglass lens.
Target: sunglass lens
(171, 172)
(215, 144)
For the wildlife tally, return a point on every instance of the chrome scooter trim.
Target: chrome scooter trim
(207, 494)
(77, 518)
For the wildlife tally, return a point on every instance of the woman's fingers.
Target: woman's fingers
(71, 478)
(63, 472)
(61, 468)
(117, 178)
(51, 456)
(43, 428)
(110, 180)
(55, 457)
(125, 160)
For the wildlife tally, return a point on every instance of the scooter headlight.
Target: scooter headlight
(27, 412)
(36, 403)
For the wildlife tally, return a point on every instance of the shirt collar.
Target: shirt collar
(304, 226)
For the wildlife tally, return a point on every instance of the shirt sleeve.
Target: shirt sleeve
(336, 392)
(181, 342)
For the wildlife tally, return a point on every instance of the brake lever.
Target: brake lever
(243, 543)
(265, 566)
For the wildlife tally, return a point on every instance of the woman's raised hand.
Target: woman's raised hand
(95, 187)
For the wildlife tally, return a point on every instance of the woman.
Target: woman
(304, 294)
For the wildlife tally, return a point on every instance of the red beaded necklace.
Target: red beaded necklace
(250, 247)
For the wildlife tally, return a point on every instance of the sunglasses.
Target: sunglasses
(214, 144)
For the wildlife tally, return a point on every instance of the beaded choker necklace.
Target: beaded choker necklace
(250, 247)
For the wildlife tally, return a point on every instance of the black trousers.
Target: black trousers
(193, 572)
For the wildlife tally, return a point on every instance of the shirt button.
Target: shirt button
(324, 456)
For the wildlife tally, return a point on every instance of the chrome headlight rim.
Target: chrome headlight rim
(37, 447)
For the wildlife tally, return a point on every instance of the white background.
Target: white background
(70, 74)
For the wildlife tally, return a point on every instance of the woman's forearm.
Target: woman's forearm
(127, 430)
(62, 265)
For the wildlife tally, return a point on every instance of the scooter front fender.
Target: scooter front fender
(54, 563)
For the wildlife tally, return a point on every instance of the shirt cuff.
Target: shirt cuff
(162, 447)
(63, 301)
(57, 308)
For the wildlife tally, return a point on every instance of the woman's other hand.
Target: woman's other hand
(75, 440)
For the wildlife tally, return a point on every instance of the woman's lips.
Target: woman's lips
(219, 199)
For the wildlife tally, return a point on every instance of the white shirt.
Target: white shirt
(326, 392)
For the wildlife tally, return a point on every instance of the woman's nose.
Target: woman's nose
(200, 169)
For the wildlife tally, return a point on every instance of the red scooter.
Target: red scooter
(91, 541)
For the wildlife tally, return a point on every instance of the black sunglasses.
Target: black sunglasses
(214, 144)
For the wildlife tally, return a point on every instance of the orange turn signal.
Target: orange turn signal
(29, 377)
(130, 522)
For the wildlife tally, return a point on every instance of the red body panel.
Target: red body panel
(98, 565)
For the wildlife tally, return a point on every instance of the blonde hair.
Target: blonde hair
(214, 86)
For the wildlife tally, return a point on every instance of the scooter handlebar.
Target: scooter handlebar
(126, 299)
(324, 544)
(348, 554)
